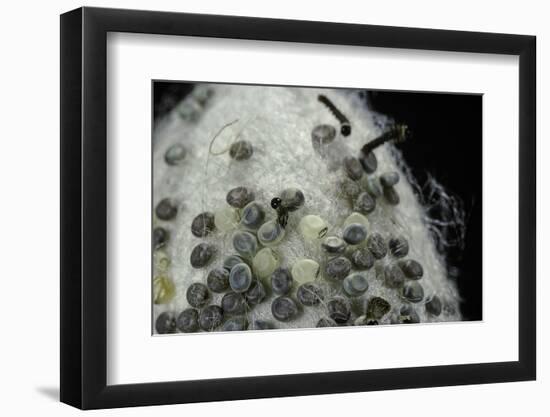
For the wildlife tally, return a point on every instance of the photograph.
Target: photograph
(332, 207)
(301, 207)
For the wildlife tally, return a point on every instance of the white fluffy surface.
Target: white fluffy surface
(278, 122)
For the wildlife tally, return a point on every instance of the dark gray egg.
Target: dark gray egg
(368, 162)
(309, 294)
(411, 268)
(354, 233)
(203, 224)
(252, 216)
(197, 295)
(292, 199)
(188, 321)
(166, 323)
(210, 318)
(399, 246)
(218, 280)
(201, 255)
(364, 203)
(235, 324)
(256, 293)
(284, 308)
(281, 281)
(233, 303)
(240, 278)
(362, 258)
(166, 209)
(239, 197)
(393, 276)
(339, 310)
(433, 306)
(353, 168)
(413, 291)
(241, 150)
(338, 268)
(377, 245)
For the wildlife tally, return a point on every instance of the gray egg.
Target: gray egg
(245, 243)
(411, 268)
(377, 245)
(218, 280)
(239, 197)
(353, 168)
(399, 247)
(321, 136)
(232, 260)
(188, 321)
(413, 291)
(292, 199)
(252, 216)
(309, 294)
(355, 285)
(166, 209)
(256, 293)
(364, 203)
(233, 303)
(373, 187)
(338, 268)
(175, 154)
(270, 233)
(281, 281)
(197, 295)
(433, 306)
(408, 315)
(284, 308)
(350, 188)
(393, 276)
(391, 196)
(339, 310)
(240, 278)
(333, 245)
(201, 255)
(166, 323)
(203, 224)
(210, 318)
(235, 324)
(354, 233)
(160, 237)
(189, 110)
(368, 162)
(362, 258)
(389, 179)
(241, 150)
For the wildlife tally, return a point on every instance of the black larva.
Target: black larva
(345, 126)
(282, 212)
(397, 133)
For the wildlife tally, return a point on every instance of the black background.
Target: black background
(447, 143)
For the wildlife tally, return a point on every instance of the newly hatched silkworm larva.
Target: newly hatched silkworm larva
(397, 133)
(345, 126)
(282, 212)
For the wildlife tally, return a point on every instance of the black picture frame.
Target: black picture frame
(84, 207)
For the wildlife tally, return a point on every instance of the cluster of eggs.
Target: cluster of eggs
(248, 275)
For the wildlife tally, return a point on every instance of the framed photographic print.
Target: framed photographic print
(258, 208)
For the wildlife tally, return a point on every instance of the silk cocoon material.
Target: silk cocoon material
(278, 122)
